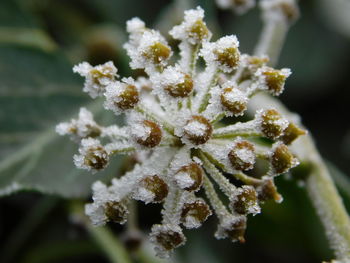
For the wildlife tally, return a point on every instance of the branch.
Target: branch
(319, 184)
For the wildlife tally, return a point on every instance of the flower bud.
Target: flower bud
(83, 127)
(166, 238)
(290, 10)
(234, 100)
(132, 240)
(116, 212)
(157, 53)
(282, 159)
(127, 98)
(198, 32)
(272, 124)
(152, 189)
(189, 177)
(275, 79)
(121, 96)
(228, 57)
(242, 156)
(232, 228)
(97, 158)
(195, 213)
(93, 155)
(291, 133)
(97, 78)
(198, 130)
(182, 89)
(246, 201)
(147, 133)
(268, 191)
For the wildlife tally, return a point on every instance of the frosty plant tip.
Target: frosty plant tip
(182, 129)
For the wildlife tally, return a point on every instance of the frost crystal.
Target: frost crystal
(174, 134)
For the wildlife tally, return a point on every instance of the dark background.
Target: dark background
(38, 228)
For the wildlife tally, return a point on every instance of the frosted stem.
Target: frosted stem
(204, 100)
(246, 129)
(272, 39)
(218, 177)
(319, 184)
(214, 200)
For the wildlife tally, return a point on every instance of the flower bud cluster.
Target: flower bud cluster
(175, 130)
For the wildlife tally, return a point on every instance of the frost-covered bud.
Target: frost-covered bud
(80, 128)
(255, 62)
(152, 189)
(223, 53)
(132, 240)
(242, 155)
(193, 29)
(233, 100)
(232, 227)
(92, 155)
(277, 9)
(282, 159)
(135, 27)
(96, 78)
(271, 123)
(121, 96)
(116, 212)
(152, 51)
(274, 79)
(198, 130)
(157, 52)
(166, 237)
(286, 9)
(251, 65)
(238, 6)
(195, 213)
(245, 201)
(268, 191)
(291, 133)
(147, 133)
(176, 83)
(189, 177)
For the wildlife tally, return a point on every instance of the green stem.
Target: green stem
(328, 203)
(102, 235)
(272, 39)
(206, 97)
(319, 184)
(112, 247)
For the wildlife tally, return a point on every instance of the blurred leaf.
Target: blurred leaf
(13, 15)
(26, 36)
(38, 90)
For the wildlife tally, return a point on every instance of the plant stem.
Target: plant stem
(272, 39)
(319, 184)
(112, 247)
(108, 242)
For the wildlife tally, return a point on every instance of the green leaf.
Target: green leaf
(37, 91)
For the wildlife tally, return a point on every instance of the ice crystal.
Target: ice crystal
(174, 131)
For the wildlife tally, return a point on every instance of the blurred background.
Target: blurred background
(40, 41)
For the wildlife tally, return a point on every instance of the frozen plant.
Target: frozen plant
(182, 127)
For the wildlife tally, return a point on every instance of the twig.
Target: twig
(319, 184)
